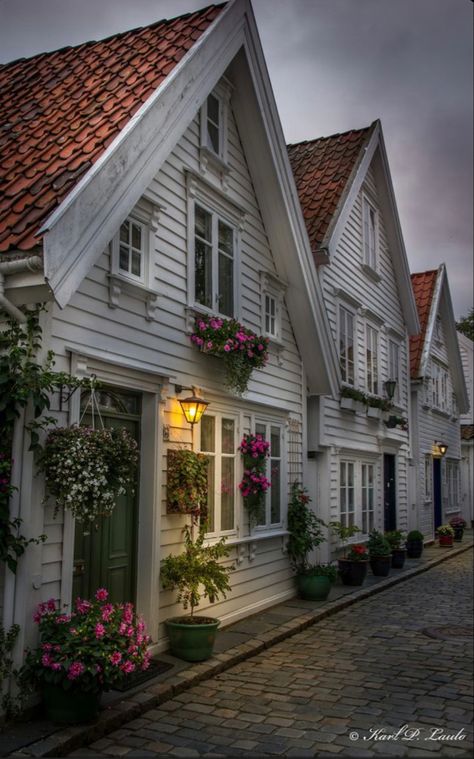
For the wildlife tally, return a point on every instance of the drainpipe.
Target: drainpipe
(33, 263)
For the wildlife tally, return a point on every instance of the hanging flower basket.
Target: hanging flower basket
(254, 484)
(86, 470)
(242, 350)
(186, 482)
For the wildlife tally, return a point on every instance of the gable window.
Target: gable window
(213, 123)
(370, 234)
(270, 315)
(218, 440)
(347, 493)
(132, 250)
(271, 513)
(214, 117)
(272, 292)
(346, 344)
(394, 366)
(214, 261)
(439, 387)
(371, 360)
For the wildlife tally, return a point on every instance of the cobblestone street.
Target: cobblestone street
(381, 667)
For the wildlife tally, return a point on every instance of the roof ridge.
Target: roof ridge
(115, 36)
(332, 136)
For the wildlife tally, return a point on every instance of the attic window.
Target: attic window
(132, 250)
(213, 124)
(214, 129)
(370, 234)
(272, 294)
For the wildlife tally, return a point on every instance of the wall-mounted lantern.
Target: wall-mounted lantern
(193, 406)
(390, 386)
(441, 448)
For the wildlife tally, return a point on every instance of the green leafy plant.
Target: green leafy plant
(376, 402)
(378, 545)
(445, 529)
(86, 469)
(351, 392)
(397, 421)
(415, 535)
(187, 482)
(196, 573)
(241, 348)
(305, 530)
(395, 538)
(10, 705)
(344, 533)
(322, 570)
(357, 552)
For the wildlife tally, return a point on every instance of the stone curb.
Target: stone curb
(68, 739)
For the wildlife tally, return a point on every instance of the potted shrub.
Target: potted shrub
(195, 574)
(459, 525)
(305, 528)
(445, 535)
(353, 564)
(414, 544)
(380, 554)
(83, 653)
(395, 539)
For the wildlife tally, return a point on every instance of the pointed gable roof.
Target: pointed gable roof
(61, 110)
(423, 284)
(323, 169)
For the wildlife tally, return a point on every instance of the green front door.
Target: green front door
(105, 554)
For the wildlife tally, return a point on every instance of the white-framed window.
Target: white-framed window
(394, 366)
(132, 249)
(439, 387)
(347, 493)
(214, 127)
(270, 315)
(452, 479)
(367, 492)
(428, 477)
(346, 344)
(272, 294)
(219, 441)
(370, 233)
(271, 515)
(371, 360)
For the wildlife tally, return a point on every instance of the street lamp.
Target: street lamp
(193, 406)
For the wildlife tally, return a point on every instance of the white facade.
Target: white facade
(466, 348)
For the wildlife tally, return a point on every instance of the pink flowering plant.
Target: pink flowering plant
(91, 649)
(242, 350)
(254, 484)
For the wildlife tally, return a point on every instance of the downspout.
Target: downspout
(33, 263)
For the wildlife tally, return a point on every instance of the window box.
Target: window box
(374, 413)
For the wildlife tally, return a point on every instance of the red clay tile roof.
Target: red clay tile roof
(322, 169)
(59, 111)
(423, 284)
(467, 432)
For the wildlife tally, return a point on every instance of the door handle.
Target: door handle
(79, 568)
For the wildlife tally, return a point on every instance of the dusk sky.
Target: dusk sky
(337, 65)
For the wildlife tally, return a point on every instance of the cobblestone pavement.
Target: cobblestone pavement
(328, 690)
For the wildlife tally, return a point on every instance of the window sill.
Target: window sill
(440, 412)
(371, 273)
(119, 284)
(210, 161)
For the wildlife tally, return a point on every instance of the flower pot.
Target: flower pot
(71, 706)
(352, 572)
(374, 412)
(398, 557)
(313, 587)
(414, 549)
(445, 540)
(380, 565)
(349, 404)
(192, 641)
(458, 534)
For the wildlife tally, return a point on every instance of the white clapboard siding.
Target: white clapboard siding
(162, 349)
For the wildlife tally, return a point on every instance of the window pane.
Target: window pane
(124, 232)
(136, 264)
(203, 223)
(275, 492)
(213, 136)
(208, 434)
(211, 474)
(203, 274)
(213, 109)
(226, 285)
(123, 258)
(136, 236)
(260, 429)
(228, 440)
(226, 238)
(275, 441)
(227, 494)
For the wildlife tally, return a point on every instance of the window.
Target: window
(452, 477)
(214, 246)
(213, 124)
(214, 118)
(371, 355)
(428, 477)
(219, 442)
(273, 291)
(367, 497)
(346, 493)
(271, 513)
(370, 234)
(346, 344)
(439, 387)
(394, 366)
(132, 249)
(270, 315)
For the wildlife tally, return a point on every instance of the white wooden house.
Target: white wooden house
(466, 348)
(438, 397)
(125, 151)
(358, 458)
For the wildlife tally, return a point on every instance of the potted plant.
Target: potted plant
(445, 535)
(352, 399)
(305, 528)
(458, 524)
(380, 554)
(395, 539)
(376, 406)
(414, 544)
(195, 574)
(353, 564)
(82, 653)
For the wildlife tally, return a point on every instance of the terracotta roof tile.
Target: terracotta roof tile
(60, 110)
(423, 284)
(322, 169)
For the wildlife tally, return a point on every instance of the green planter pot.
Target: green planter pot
(313, 587)
(352, 572)
(192, 642)
(381, 565)
(71, 706)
